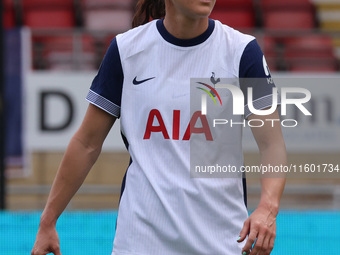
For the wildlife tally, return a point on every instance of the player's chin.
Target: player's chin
(208, 4)
(203, 12)
(204, 7)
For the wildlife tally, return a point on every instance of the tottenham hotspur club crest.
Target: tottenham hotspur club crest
(214, 81)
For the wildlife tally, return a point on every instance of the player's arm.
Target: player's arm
(82, 152)
(261, 225)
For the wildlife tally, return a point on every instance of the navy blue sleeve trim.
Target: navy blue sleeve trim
(106, 88)
(254, 72)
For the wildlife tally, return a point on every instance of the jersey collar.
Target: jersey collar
(185, 42)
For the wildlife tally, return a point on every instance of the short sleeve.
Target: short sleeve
(254, 72)
(106, 88)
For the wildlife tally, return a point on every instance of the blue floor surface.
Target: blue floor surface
(298, 232)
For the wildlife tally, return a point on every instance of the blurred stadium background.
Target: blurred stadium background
(52, 49)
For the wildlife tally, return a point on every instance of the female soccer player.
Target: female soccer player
(145, 80)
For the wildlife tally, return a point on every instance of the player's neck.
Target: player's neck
(185, 28)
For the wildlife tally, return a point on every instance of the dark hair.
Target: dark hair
(146, 10)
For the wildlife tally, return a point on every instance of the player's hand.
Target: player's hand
(261, 226)
(47, 241)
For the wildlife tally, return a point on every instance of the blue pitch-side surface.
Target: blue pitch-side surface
(304, 232)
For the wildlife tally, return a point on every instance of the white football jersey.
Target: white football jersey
(144, 80)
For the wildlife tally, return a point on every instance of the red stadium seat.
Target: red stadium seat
(60, 52)
(313, 46)
(8, 3)
(8, 13)
(313, 41)
(236, 18)
(234, 3)
(38, 4)
(49, 18)
(8, 19)
(271, 50)
(107, 3)
(114, 15)
(65, 43)
(285, 4)
(310, 53)
(269, 46)
(43, 14)
(288, 19)
(108, 19)
(271, 62)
